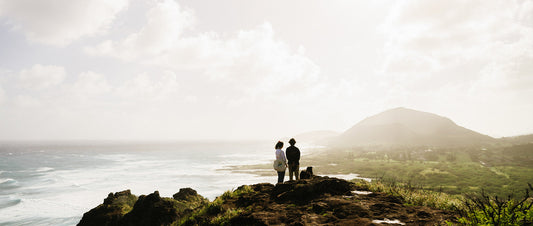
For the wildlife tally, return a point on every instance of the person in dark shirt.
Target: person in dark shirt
(293, 156)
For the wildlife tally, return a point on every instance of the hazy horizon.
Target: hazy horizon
(165, 70)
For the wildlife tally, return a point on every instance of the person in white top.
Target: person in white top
(280, 155)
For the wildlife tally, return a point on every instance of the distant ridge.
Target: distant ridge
(403, 126)
(521, 139)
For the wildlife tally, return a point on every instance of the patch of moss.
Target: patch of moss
(225, 217)
(245, 189)
(121, 200)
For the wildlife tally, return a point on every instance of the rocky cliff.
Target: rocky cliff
(315, 201)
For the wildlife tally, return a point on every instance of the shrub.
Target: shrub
(486, 209)
(245, 189)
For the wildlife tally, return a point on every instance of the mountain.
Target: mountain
(402, 126)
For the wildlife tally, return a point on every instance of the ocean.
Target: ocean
(54, 183)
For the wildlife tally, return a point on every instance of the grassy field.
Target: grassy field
(498, 170)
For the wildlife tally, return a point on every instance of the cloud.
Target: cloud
(457, 42)
(40, 77)
(48, 85)
(60, 22)
(254, 62)
(90, 88)
(149, 88)
(166, 21)
(258, 58)
(95, 105)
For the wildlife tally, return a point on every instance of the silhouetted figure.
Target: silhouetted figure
(281, 162)
(293, 155)
(306, 174)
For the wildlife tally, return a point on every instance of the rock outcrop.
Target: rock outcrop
(304, 190)
(151, 210)
(123, 208)
(315, 201)
(115, 206)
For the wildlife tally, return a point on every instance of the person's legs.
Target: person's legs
(291, 171)
(290, 174)
(281, 176)
(296, 172)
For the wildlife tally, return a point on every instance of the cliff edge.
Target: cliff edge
(315, 201)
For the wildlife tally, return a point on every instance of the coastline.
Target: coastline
(70, 178)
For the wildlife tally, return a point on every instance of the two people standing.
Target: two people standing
(293, 155)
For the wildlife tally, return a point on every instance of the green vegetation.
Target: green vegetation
(125, 203)
(480, 209)
(182, 206)
(236, 193)
(498, 169)
(414, 195)
(445, 178)
(224, 219)
(216, 213)
(491, 210)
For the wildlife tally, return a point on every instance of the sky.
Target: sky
(246, 69)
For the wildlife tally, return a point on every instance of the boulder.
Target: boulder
(123, 208)
(185, 194)
(115, 206)
(307, 173)
(302, 191)
(151, 210)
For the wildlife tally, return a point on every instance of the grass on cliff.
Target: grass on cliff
(216, 212)
(182, 206)
(414, 195)
(245, 189)
(474, 209)
(124, 203)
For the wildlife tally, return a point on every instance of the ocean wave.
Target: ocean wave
(8, 202)
(118, 157)
(30, 211)
(7, 181)
(44, 169)
(41, 221)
